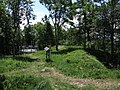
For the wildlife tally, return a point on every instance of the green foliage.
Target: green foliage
(40, 38)
(72, 37)
(58, 13)
(78, 63)
(12, 13)
(8, 64)
(44, 34)
(97, 27)
(30, 34)
(5, 29)
(16, 78)
(26, 82)
(21, 73)
(49, 36)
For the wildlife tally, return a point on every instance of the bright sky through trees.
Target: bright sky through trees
(40, 11)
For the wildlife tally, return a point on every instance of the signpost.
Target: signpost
(47, 49)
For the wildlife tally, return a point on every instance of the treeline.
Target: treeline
(97, 22)
(12, 13)
(93, 24)
(40, 35)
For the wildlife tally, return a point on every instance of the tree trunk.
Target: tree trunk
(56, 33)
(112, 41)
(85, 30)
(88, 37)
(104, 47)
(56, 38)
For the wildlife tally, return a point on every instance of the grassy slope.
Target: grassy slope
(15, 75)
(76, 62)
(21, 73)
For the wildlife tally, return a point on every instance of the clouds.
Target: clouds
(39, 10)
(39, 16)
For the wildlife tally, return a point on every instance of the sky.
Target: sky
(39, 10)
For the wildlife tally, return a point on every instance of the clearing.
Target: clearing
(71, 69)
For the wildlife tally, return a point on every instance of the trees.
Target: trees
(97, 21)
(29, 37)
(12, 12)
(5, 29)
(57, 10)
(44, 33)
(98, 24)
(108, 17)
(40, 35)
(97, 27)
(113, 18)
(49, 37)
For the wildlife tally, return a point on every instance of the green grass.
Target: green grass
(17, 75)
(23, 73)
(26, 82)
(76, 62)
(62, 85)
(7, 64)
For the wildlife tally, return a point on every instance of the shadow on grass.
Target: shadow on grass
(25, 58)
(19, 58)
(2, 56)
(65, 51)
(49, 60)
(2, 79)
(110, 61)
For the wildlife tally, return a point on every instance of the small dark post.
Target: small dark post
(47, 53)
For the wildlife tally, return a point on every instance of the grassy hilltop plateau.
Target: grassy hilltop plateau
(71, 68)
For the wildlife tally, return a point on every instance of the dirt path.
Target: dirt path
(52, 74)
(99, 83)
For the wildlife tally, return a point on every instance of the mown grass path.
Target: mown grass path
(52, 73)
(72, 69)
(55, 77)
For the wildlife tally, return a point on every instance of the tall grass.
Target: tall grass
(21, 80)
(8, 64)
(22, 73)
(76, 62)
(26, 82)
